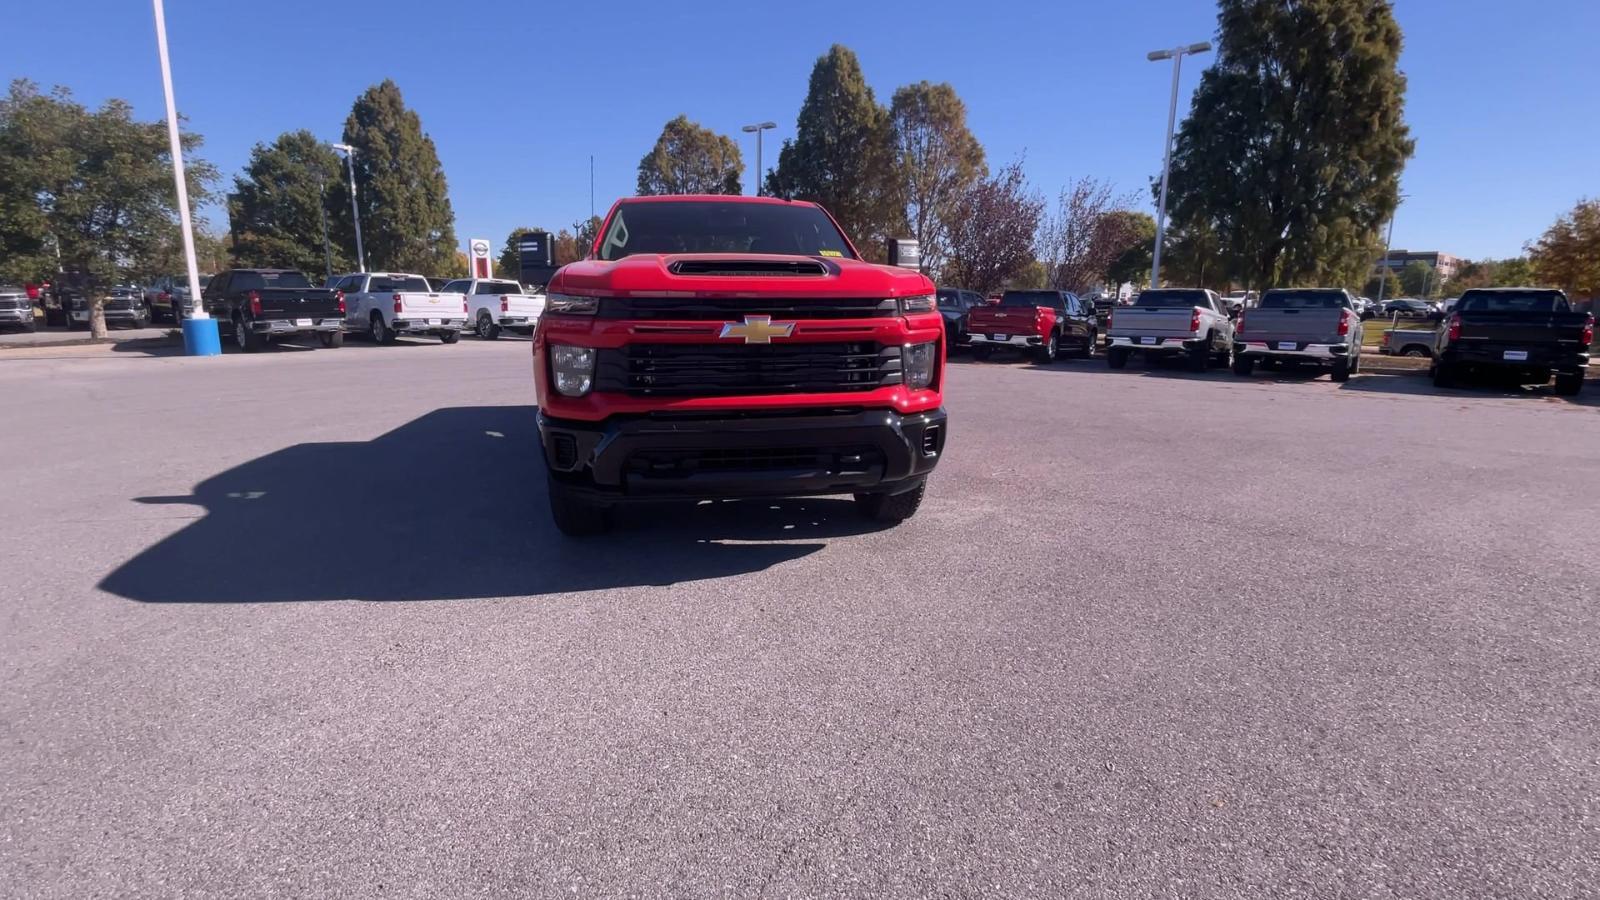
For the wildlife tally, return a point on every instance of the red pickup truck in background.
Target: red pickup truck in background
(715, 346)
(1042, 323)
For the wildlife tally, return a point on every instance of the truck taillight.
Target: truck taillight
(164, 297)
(1588, 330)
(255, 303)
(1111, 314)
(1194, 320)
(396, 299)
(1454, 332)
(505, 304)
(1386, 336)
(1238, 327)
(464, 303)
(338, 299)
(1344, 322)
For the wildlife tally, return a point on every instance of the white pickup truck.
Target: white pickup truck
(386, 305)
(494, 305)
(1188, 322)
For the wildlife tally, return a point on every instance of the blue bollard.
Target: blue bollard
(201, 337)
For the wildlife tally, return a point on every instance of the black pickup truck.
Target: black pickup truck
(255, 305)
(1528, 333)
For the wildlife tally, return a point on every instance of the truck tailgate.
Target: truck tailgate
(430, 306)
(523, 306)
(1522, 328)
(1302, 326)
(1004, 320)
(1131, 321)
(298, 303)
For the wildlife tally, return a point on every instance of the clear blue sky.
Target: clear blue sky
(517, 96)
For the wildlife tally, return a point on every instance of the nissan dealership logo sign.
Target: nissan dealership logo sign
(480, 247)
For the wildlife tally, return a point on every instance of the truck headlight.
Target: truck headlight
(920, 304)
(571, 305)
(573, 368)
(916, 362)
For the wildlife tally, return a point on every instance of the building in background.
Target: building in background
(1444, 265)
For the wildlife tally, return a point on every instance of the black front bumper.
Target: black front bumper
(787, 454)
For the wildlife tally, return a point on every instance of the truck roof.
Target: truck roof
(715, 198)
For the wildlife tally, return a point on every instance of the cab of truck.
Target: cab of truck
(720, 346)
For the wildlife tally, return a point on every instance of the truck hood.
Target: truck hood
(737, 275)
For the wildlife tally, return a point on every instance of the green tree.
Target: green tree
(688, 159)
(1293, 147)
(282, 201)
(1192, 257)
(1132, 263)
(1417, 279)
(97, 185)
(842, 154)
(939, 160)
(1568, 254)
(406, 221)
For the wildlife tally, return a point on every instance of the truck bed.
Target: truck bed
(1162, 322)
(1298, 326)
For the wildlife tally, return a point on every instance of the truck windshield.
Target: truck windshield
(1513, 301)
(1168, 299)
(710, 226)
(402, 284)
(1303, 300)
(1030, 298)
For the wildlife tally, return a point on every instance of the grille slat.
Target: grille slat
(736, 308)
(656, 369)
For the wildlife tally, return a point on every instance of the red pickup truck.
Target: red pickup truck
(715, 346)
(1037, 322)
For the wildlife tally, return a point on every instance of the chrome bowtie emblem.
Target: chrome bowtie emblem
(757, 329)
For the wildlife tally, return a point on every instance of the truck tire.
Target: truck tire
(1444, 375)
(575, 516)
(331, 339)
(1117, 357)
(982, 352)
(247, 340)
(1569, 384)
(1244, 365)
(1087, 350)
(1199, 358)
(1049, 349)
(891, 509)
(381, 332)
(30, 326)
(486, 328)
(1341, 370)
(449, 337)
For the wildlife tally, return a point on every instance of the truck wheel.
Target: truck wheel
(891, 509)
(1117, 357)
(1569, 384)
(381, 332)
(1243, 365)
(30, 326)
(982, 352)
(1087, 351)
(1047, 352)
(449, 337)
(247, 340)
(1341, 370)
(1200, 357)
(575, 516)
(487, 329)
(1415, 352)
(331, 339)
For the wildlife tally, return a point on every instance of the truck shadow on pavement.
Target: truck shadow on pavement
(1479, 388)
(449, 506)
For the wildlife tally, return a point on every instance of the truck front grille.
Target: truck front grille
(683, 463)
(733, 309)
(720, 369)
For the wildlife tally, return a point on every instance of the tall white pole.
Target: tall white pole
(177, 166)
(1166, 169)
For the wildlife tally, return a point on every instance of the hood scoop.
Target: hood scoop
(747, 268)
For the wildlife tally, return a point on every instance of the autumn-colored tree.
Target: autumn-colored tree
(991, 236)
(689, 159)
(1568, 254)
(939, 160)
(1075, 243)
(1486, 273)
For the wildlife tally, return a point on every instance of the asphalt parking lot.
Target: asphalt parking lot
(297, 624)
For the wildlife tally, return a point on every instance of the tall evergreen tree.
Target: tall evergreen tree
(1292, 151)
(279, 203)
(939, 160)
(842, 155)
(689, 159)
(406, 221)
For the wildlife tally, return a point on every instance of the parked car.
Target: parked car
(386, 305)
(1037, 322)
(254, 306)
(494, 305)
(1413, 342)
(1191, 322)
(125, 306)
(16, 309)
(955, 304)
(168, 297)
(1407, 308)
(670, 366)
(1315, 326)
(1237, 301)
(1527, 333)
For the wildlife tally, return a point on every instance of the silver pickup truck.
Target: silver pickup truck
(1316, 326)
(1188, 322)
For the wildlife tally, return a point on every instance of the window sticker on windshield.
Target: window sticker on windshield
(838, 253)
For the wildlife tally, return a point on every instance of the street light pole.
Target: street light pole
(355, 210)
(322, 215)
(756, 129)
(1176, 54)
